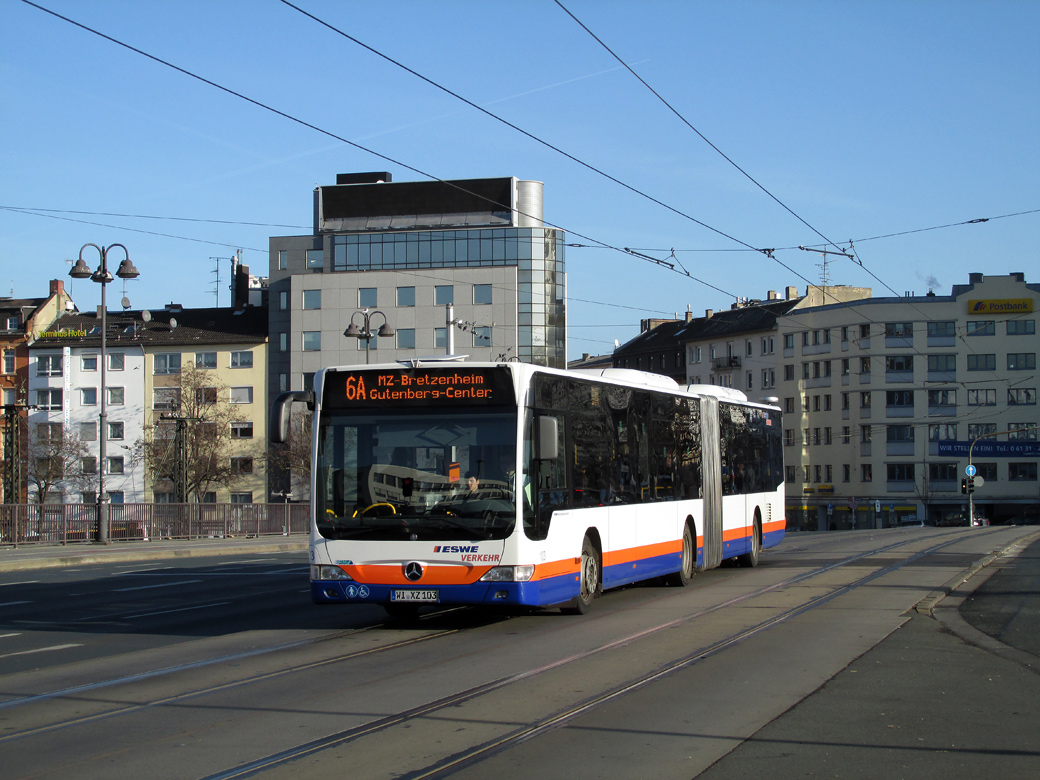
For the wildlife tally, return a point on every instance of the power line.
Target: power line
(353, 144)
(155, 216)
(686, 122)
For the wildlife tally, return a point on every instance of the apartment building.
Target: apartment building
(886, 400)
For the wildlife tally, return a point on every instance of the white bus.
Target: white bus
(510, 484)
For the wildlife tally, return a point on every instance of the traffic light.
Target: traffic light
(971, 484)
(964, 485)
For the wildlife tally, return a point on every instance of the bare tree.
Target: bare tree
(57, 458)
(189, 448)
(291, 460)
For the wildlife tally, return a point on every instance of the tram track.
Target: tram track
(479, 752)
(485, 750)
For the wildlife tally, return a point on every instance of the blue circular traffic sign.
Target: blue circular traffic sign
(969, 470)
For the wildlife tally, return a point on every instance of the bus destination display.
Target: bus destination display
(417, 387)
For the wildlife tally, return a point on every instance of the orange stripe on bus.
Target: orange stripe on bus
(393, 574)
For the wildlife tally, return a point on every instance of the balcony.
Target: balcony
(725, 363)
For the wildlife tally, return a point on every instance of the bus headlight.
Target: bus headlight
(509, 574)
(329, 573)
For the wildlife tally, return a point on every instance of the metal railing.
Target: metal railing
(73, 523)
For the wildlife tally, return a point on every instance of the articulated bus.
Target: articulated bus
(437, 482)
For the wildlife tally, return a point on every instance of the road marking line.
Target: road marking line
(161, 585)
(14, 603)
(41, 650)
(169, 611)
(5, 636)
(25, 582)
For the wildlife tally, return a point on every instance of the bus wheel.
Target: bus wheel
(750, 559)
(401, 611)
(588, 578)
(688, 564)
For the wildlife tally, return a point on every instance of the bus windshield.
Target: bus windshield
(416, 475)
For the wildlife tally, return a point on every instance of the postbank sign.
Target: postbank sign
(1007, 306)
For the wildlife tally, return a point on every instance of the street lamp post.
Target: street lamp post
(102, 276)
(365, 331)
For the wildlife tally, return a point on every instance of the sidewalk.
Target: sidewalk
(954, 693)
(42, 556)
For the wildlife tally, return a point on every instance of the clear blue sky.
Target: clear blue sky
(865, 119)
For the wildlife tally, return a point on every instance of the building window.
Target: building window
(1022, 472)
(901, 330)
(116, 361)
(864, 366)
(1021, 361)
(846, 472)
(942, 472)
(942, 432)
(49, 432)
(242, 429)
(9, 362)
(115, 496)
(1023, 431)
(981, 328)
(242, 465)
(283, 342)
(88, 396)
(942, 397)
(116, 396)
(88, 363)
(242, 359)
(482, 336)
(1021, 327)
(789, 405)
(899, 363)
(788, 341)
(206, 396)
(900, 472)
(481, 294)
(982, 397)
(942, 329)
(312, 299)
(988, 471)
(942, 363)
(88, 465)
(864, 434)
(282, 262)
(866, 472)
(206, 360)
(164, 363)
(790, 474)
(405, 296)
(978, 430)
(899, 399)
(209, 497)
(789, 373)
(241, 395)
(406, 338)
(88, 431)
(315, 259)
(312, 341)
(49, 400)
(115, 431)
(242, 498)
(788, 437)
(166, 398)
(367, 298)
(982, 362)
(440, 338)
(900, 433)
(283, 300)
(864, 400)
(115, 465)
(1022, 396)
(48, 365)
(443, 294)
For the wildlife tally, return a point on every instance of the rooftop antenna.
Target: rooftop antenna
(216, 280)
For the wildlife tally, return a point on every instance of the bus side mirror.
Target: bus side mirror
(278, 431)
(548, 438)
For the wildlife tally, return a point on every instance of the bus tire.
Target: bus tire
(688, 561)
(588, 580)
(750, 558)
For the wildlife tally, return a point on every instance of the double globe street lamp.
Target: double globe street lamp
(102, 276)
(365, 331)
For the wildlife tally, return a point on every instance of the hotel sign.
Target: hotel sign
(1001, 306)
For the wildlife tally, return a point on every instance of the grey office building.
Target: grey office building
(400, 254)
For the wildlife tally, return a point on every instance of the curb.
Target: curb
(163, 553)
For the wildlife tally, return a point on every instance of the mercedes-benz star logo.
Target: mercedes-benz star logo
(413, 571)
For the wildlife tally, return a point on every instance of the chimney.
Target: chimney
(771, 295)
(174, 307)
(57, 287)
(791, 293)
(708, 313)
(689, 314)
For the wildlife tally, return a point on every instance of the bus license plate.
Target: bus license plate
(415, 595)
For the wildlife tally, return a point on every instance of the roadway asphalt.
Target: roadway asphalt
(954, 692)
